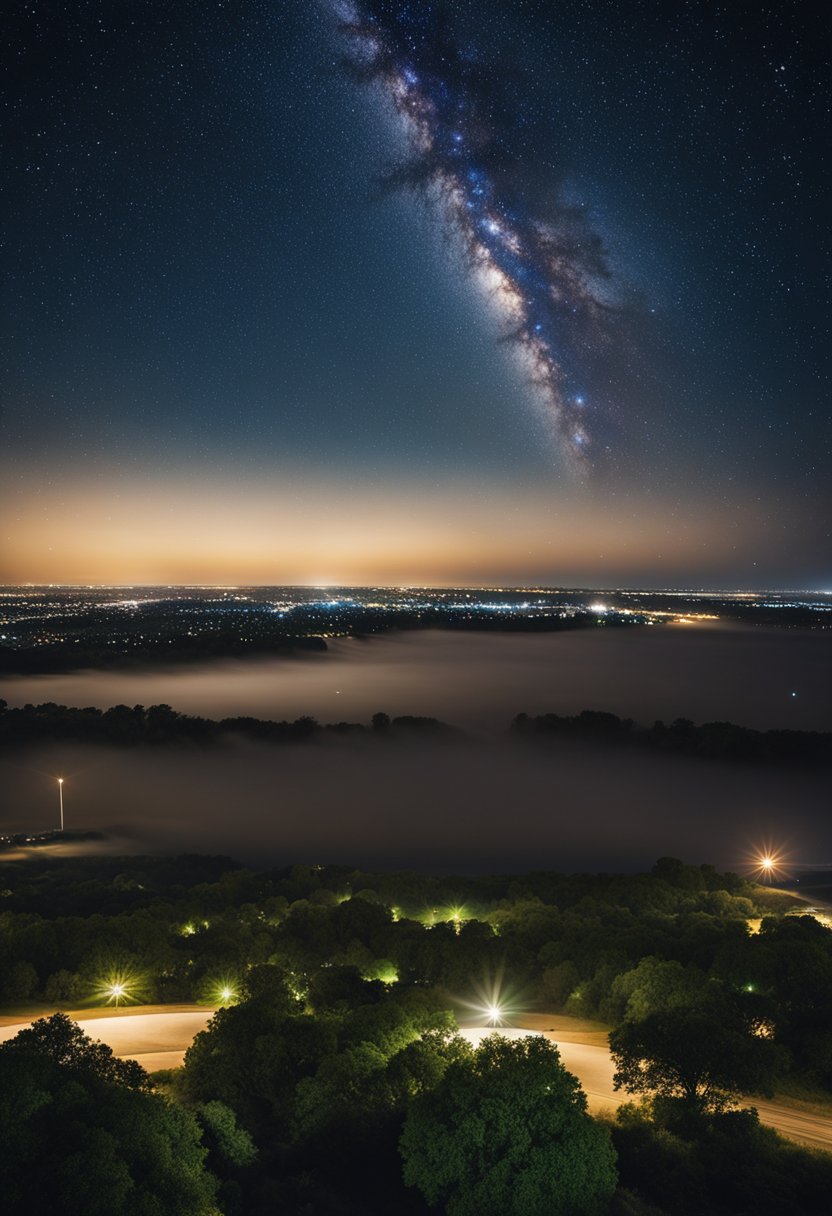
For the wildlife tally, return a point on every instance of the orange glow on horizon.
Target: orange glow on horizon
(322, 532)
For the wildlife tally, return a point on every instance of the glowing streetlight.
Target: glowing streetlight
(61, 798)
(495, 1014)
(769, 865)
(120, 987)
(768, 862)
(221, 991)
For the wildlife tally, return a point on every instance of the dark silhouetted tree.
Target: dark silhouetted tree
(703, 1055)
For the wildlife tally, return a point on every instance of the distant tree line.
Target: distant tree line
(128, 726)
(124, 725)
(711, 740)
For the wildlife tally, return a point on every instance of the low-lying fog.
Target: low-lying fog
(480, 803)
(465, 806)
(763, 678)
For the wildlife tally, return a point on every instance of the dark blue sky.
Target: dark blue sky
(212, 300)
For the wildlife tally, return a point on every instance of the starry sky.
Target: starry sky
(397, 292)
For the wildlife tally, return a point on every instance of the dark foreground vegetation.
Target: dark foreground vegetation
(332, 1081)
(137, 725)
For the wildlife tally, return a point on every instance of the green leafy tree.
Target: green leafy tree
(21, 982)
(251, 1057)
(85, 1136)
(356, 1089)
(655, 984)
(725, 1165)
(703, 1055)
(229, 1145)
(791, 959)
(64, 985)
(62, 1041)
(506, 1133)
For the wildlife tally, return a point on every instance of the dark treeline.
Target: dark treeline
(84, 653)
(125, 725)
(159, 724)
(332, 1081)
(712, 740)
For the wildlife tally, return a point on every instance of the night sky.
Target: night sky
(524, 292)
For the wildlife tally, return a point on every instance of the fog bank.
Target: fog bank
(453, 807)
(763, 678)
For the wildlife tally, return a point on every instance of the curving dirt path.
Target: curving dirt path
(158, 1037)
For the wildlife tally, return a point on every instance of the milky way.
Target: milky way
(469, 146)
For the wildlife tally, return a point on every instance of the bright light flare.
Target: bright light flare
(117, 990)
(492, 1002)
(768, 864)
(221, 992)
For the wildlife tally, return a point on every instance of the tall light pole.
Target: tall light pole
(61, 797)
